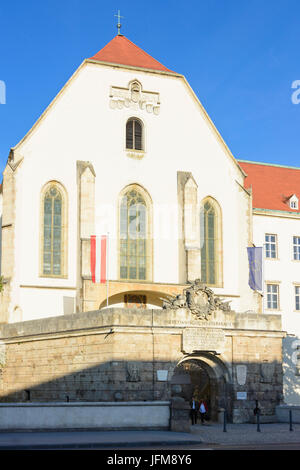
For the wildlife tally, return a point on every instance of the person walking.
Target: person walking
(202, 410)
(194, 410)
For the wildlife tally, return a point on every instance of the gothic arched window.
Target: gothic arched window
(134, 134)
(211, 242)
(135, 241)
(53, 235)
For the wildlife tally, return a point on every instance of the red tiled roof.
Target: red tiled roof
(272, 185)
(122, 51)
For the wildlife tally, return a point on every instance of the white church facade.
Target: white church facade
(127, 150)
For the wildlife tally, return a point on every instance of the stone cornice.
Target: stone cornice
(276, 213)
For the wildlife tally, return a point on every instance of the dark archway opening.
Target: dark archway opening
(199, 378)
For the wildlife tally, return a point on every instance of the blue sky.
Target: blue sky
(241, 58)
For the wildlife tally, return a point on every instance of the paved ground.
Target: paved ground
(237, 434)
(95, 439)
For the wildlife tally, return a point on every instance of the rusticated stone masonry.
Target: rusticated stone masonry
(130, 355)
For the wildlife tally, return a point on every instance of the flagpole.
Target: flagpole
(107, 270)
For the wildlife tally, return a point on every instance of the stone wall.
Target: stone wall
(283, 414)
(260, 357)
(86, 357)
(115, 355)
(104, 416)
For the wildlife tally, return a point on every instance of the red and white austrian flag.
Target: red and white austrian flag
(98, 258)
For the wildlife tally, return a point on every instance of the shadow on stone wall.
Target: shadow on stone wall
(107, 381)
(130, 355)
(139, 381)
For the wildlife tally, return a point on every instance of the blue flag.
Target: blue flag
(255, 267)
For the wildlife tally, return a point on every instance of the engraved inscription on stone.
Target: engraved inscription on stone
(204, 339)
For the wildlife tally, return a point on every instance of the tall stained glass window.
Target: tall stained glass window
(133, 236)
(210, 240)
(208, 250)
(52, 232)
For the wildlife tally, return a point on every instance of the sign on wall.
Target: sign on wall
(202, 339)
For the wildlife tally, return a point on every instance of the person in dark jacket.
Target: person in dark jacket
(194, 410)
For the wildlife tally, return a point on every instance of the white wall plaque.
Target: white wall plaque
(241, 395)
(162, 375)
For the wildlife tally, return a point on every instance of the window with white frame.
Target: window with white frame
(293, 200)
(294, 205)
(273, 296)
(296, 248)
(271, 245)
(297, 298)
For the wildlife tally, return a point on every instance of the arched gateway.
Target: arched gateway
(204, 376)
(225, 356)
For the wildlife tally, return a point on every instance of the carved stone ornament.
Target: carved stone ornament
(241, 374)
(134, 97)
(133, 372)
(199, 299)
(267, 371)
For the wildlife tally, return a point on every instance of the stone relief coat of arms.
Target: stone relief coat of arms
(199, 299)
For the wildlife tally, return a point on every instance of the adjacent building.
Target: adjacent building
(276, 228)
